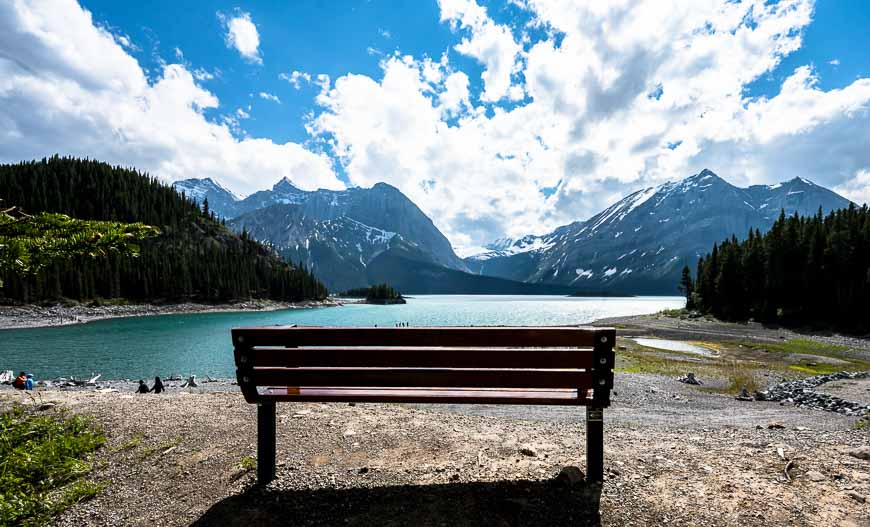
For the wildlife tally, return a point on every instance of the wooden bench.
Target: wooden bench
(569, 366)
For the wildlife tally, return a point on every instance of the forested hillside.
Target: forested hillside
(805, 270)
(194, 258)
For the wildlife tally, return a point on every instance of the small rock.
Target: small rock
(744, 395)
(862, 452)
(363, 470)
(775, 426)
(528, 450)
(860, 498)
(46, 406)
(815, 475)
(689, 378)
(571, 476)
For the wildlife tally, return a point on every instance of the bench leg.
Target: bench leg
(265, 442)
(594, 444)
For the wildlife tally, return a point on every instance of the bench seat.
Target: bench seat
(338, 394)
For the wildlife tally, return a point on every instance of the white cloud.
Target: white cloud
(492, 44)
(598, 108)
(269, 97)
(296, 78)
(242, 35)
(857, 189)
(68, 87)
(834, 62)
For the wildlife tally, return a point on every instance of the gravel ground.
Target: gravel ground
(675, 455)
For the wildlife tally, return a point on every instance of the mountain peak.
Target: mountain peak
(285, 184)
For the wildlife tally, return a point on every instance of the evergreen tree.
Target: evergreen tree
(813, 270)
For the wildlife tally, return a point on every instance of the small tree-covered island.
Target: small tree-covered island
(376, 294)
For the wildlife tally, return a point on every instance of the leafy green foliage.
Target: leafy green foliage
(43, 465)
(194, 257)
(810, 270)
(29, 244)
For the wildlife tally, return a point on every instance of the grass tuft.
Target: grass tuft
(43, 459)
(248, 463)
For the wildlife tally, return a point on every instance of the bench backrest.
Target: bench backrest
(518, 358)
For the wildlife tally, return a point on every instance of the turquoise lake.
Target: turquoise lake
(199, 344)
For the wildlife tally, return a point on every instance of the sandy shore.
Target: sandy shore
(33, 316)
(675, 455)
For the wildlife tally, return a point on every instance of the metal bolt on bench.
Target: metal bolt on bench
(568, 366)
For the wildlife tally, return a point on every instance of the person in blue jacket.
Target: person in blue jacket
(29, 382)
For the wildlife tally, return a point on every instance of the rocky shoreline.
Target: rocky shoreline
(36, 316)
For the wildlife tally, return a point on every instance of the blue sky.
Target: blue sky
(496, 118)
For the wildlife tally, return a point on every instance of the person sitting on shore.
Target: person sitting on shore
(143, 388)
(20, 381)
(158, 386)
(29, 382)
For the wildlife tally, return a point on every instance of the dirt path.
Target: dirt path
(675, 455)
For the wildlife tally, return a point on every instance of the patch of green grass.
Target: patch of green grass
(159, 447)
(673, 313)
(821, 368)
(43, 460)
(863, 423)
(131, 443)
(803, 346)
(741, 377)
(248, 463)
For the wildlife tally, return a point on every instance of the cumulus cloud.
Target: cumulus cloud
(242, 35)
(616, 96)
(67, 86)
(296, 78)
(270, 97)
(857, 189)
(492, 44)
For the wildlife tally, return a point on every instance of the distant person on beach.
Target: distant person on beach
(143, 388)
(20, 381)
(29, 381)
(158, 386)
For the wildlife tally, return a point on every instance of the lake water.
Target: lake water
(675, 345)
(200, 343)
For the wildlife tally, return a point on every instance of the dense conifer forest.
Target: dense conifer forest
(376, 294)
(194, 257)
(811, 271)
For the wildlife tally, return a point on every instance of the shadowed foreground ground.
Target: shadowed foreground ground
(501, 503)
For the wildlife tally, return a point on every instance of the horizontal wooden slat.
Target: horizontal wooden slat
(415, 377)
(503, 358)
(428, 395)
(542, 337)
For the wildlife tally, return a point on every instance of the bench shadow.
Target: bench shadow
(499, 504)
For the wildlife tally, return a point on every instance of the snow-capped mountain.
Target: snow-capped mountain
(641, 243)
(219, 198)
(336, 233)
